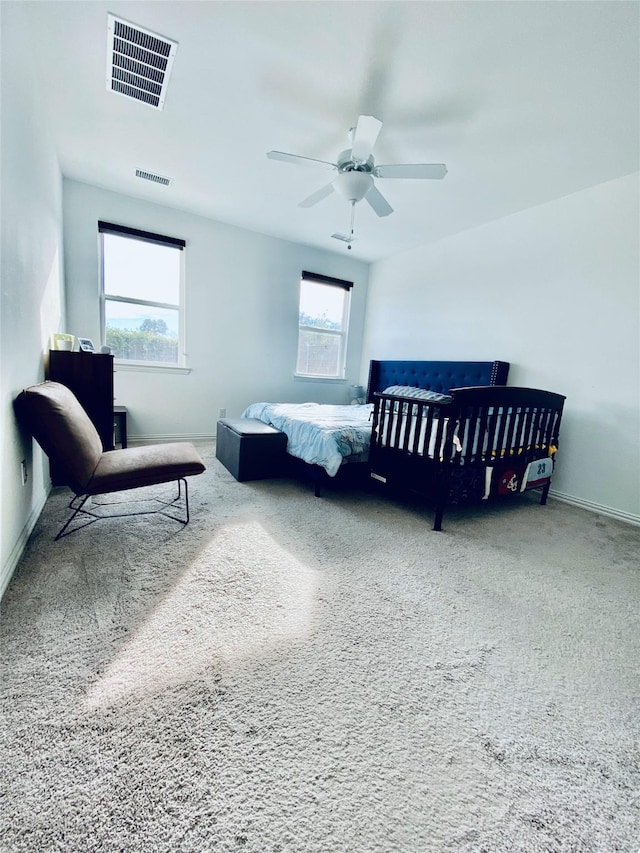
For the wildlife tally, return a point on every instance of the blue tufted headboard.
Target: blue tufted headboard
(440, 376)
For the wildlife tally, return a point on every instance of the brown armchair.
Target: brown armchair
(65, 432)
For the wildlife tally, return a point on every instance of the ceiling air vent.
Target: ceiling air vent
(138, 62)
(149, 176)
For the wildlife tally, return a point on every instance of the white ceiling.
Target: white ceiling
(524, 101)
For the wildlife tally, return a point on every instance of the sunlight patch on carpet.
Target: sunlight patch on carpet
(243, 595)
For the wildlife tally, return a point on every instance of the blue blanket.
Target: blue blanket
(319, 434)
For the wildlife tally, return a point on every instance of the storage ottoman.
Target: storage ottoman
(249, 449)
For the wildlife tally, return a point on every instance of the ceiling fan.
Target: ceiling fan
(356, 169)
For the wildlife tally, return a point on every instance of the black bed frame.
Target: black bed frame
(482, 435)
(440, 376)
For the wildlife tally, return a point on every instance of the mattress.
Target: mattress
(324, 435)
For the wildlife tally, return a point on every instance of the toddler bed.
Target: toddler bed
(473, 444)
(329, 440)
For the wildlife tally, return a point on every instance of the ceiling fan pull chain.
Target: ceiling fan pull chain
(353, 216)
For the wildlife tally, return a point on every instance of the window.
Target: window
(142, 295)
(322, 326)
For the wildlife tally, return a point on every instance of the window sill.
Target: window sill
(303, 377)
(139, 367)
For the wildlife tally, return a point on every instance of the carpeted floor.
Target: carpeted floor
(309, 675)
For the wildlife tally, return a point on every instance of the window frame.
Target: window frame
(127, 232)
(343, 334)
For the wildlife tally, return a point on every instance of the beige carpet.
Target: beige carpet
(308, 675)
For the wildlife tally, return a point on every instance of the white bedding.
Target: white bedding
(319, 434)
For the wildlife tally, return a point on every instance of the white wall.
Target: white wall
(554, 290)
(242, 314)
(31, 304)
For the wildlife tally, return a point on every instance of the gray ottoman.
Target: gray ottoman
(249, 449)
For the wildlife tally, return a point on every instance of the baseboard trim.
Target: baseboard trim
(18, 549)
(619, 514)
(591, 506)
(159, 438)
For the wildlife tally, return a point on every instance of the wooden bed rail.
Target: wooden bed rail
(418, 444)
(424, 416)
(492, 423)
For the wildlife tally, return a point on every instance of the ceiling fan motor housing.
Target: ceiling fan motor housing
(346, 164)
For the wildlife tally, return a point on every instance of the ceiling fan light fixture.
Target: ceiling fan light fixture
(353, 185)
(356, 170)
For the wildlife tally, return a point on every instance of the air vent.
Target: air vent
(138, 62)
(149, 176)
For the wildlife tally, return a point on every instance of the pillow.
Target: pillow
(417, 393)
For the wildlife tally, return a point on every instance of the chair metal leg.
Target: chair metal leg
(174, 502)
(76, 510)
(91, 517)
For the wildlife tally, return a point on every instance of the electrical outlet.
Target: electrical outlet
(223, 413)
(24, 472)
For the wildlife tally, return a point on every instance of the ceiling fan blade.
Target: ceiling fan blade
(378, 202)
(317, 196)
(415, 170)
(364, 137)
(300, 161)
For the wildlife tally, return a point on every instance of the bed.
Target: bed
(333, 441)
(474, 444)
